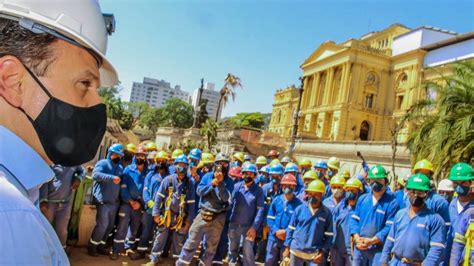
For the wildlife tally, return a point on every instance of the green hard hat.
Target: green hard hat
(377, 172)
(461, 172)
(418, 182)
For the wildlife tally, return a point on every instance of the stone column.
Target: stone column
(345, 82)
(314, 90)
(329, 85)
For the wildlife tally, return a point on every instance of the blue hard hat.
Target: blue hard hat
(247, 157)
(321, 164)
(277, 169)
(264, 169)
(261, 179)
(249, 167)
(195, 154)
(181, 159)
(291, 167)
(116, 148)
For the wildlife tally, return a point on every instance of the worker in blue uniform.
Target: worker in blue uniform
(194, 159)
(278, 219)
(173, 209)
(305, 165)
(341, 252)
(246, 216)
(107, 178)
(50, 113)
(321, 168)
(55, 198)
(337, 192)
(462, 251)
(292, 168)
(309, 236)
(372, 218)
(263, 176)
(462, 175)
(215, 190)
(174, 155)
(132, 204)
(150, 188)
(418, 234)
(400, 193)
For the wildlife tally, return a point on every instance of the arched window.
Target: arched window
(364, 131)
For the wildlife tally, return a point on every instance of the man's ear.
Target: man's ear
(11, 74)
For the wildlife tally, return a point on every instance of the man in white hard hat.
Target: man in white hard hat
(446, 189)
(51, 64)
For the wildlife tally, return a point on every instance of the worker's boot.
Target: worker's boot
(103, 250)
(137, 255)
(114, 256)
(92, 251)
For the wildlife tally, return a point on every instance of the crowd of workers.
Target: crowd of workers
(217, 210)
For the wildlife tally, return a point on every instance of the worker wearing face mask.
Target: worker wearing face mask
(341, 252)
(278, 219)
(417, 235)
(446, 189)
(305, 165)
(333, 167)
(107, 177)
(337, 188)
(372, 218)
(321, 169)
(131, 208)
(308, 177)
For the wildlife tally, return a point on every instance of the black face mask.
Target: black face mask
(181, 169)
(377, 187)
(351, 195)
(116, 160)
(161, 165)
(127, 156)
(248, 179)
(417, 201)
(70, 135)
(141, 161)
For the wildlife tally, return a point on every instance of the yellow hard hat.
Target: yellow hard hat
(338, 180)
(151, 146)
(316, 186)
(261, 160)
(176, 153)
(200, 165)
(207, 158)
(305, 162)
(238, 156)
(401, 181)
(162, 155)
(423, 164)
(333, 163)
(354, 183)
(274, 162)
(310, 174)
(131, 148)
(346, 174)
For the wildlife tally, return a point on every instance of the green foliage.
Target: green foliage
(231, 82)
(444, 127)
(176, 113)
(209, 131)
(255, 120)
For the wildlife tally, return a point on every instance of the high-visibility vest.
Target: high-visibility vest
(469, 237)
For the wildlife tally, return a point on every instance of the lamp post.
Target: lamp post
(296, 117)
(197, 108)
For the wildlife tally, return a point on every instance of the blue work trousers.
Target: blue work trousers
(237, 235)
(58, 214)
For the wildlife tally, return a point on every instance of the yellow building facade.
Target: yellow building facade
(358, 90)
(284, 108)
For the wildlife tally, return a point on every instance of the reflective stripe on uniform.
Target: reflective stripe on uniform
(142, 248)
(183, 261)
(119, 241)
(459, 238)
(121, 214)
(389, 222)
(356, 217)
(437, 244)
(329, 233)
(161, 195)
(271, 217)
(390, 238)
(291, 227)
(93, 242)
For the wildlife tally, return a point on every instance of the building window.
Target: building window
(369, 100)
(371, 78)
(399, 102)
(364, 131)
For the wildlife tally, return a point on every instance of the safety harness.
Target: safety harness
(167, 217)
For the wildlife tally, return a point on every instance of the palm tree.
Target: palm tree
(228, 91)
(209, 131)
(444, 123)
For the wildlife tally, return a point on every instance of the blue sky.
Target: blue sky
(262, 42)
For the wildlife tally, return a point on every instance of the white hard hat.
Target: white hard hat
(79, 22)
(446, 185)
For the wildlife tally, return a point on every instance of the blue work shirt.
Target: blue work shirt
(454, 215)
(459, 244)
(152, 184)
(172, 169)
(400, 195)
(59, 188)
(104, 188)
(132, 183)
(270, 193)
(27, 238)
(247, 205)
(330, 203)
(279, 214)
(177, 188)
(369, 220)
(420, 238)
(310, 231)
(341, 217)
(328, 193)
(215, 199)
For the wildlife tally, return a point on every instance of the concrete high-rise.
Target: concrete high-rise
(212, 97)
(155, 92)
